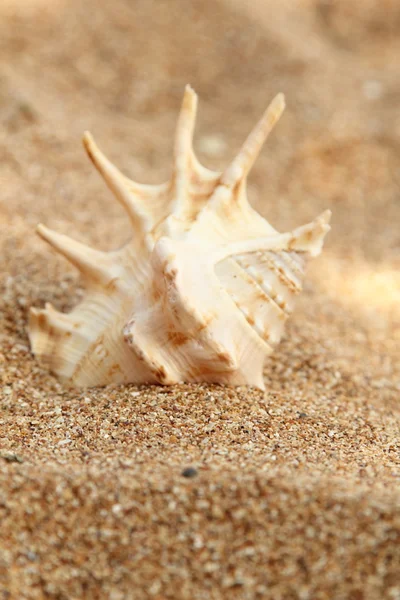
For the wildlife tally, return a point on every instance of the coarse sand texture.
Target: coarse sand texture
(200, 491)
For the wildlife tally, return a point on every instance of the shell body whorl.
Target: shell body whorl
(200, 293)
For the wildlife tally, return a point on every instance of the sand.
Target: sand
(195, 491)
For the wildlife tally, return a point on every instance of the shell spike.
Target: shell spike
(185, 129)
(184, 160)
(49, 332)
(91, 263)
(243, 162)
(54, 318)
(307, 238)
(310, 238)
(126, 191)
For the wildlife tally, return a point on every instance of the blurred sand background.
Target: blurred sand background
(297, 491)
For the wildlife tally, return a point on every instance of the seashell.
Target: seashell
(202, 291)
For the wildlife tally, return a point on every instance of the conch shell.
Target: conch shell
(202, 291)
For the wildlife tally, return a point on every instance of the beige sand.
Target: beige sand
(295, 493)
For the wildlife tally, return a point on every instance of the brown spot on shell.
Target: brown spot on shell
(112, 285)
(115, 368)
(259, 279)
(292, 287)
(177, 338)
(155, 291)
(250, 319)
(226, 358)
(169, 272)
(207, 320)
(161, 374)
(42, 319)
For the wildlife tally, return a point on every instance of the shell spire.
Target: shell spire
(204, 298)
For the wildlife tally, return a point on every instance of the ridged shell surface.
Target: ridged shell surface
(200, 293)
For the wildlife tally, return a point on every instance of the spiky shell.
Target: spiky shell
(200, 293)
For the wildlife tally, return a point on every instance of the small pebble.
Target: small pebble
(11, 458)
(189, 472)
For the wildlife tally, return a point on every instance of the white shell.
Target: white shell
(200, 293)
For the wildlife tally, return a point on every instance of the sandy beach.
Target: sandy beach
(195, 491)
